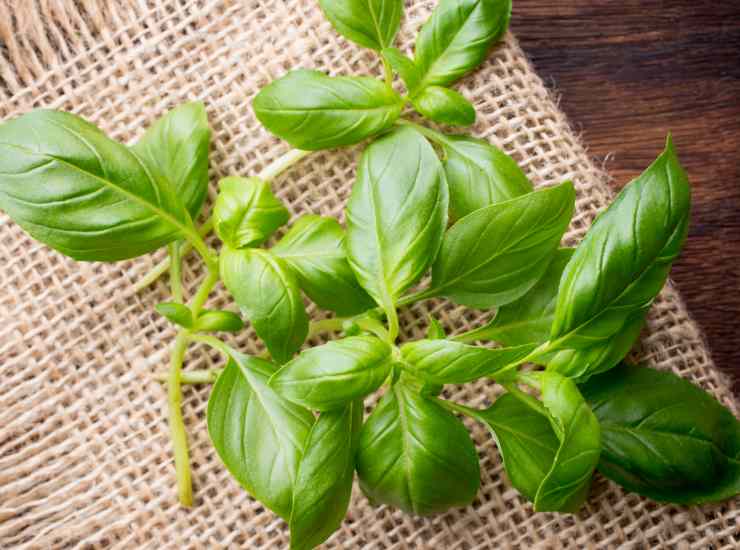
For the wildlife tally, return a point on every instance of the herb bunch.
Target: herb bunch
(422, 201)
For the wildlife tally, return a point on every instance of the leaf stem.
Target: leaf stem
(202, 376)
(177, 422)
(333, 324)
(204, 290)
(388, 72)
(376, 327)
(270, 172)
(414, 297)
(175, 271)
(214, 342)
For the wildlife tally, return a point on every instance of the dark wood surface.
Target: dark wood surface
(627, 73)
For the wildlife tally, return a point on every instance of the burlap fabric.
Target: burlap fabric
(84, 451)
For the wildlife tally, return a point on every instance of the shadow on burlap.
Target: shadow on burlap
(84, 451)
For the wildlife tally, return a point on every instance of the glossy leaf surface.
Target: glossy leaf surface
(259, 436)
(369, 23)
(217, 320)
(416, 456)
(314, 249)
(246, 212)
(444, 106)
(448, 362)
(405, 67)
(329, 376)
(324, 483)
(457, 37)
(312, 111)
(663, 437)
(495, 255)
(267, 292)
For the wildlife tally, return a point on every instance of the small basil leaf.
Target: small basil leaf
(624, 259)
(267, 292)
(566, 485)
(246, 212)
(435, 330)
(416, 456)
(457, 37)
(218, 320)
(395, 217)
(448, 362)
(445, 106)
(324, 484)
(83, 194)
(258, 435)
(329, 376)
(177, 313)
(312, 111)
(529, 318)
(496, 254)
(525, 439)
(369, 23)
(314, 249)
(404, 66)
(176, 147)
(480, 174)
(663, 437)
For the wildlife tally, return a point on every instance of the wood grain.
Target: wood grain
(629, 72)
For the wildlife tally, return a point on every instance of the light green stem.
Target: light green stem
(388, 71)
(204, 290)
(414, 297)
(334, 324)
(203, 376)
(270, 172)
(376, 327)
(175, 271)
(177, 423)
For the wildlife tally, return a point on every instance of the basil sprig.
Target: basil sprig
(575, 312)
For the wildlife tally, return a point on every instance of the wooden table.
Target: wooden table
(627, 73)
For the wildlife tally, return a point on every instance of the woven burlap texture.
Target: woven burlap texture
(85, 458)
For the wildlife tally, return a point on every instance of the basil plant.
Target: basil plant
(430, 215)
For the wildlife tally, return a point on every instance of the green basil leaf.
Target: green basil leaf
(445, 106)
(246, 212)
(267, 292)
(369, 23)
(566, 485)
(663, 437)
(404, 66)
(528, 319)
(395, 217)
(480, 174)
(312, 111)
(457, 37)
(83, 194)
(218, 320)
(416, 456)
(448, 362)
(624, 259)
(496, 254)
(435, 330)
(314, 249)
(329, 376)
(176, 147)
(525, 439)
(258, 435)
(324, 484)
(177, 313)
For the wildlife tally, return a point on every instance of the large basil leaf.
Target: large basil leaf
(457, 37)
(448, 362)
(445, 106)
(87, 196)
(369, 23)
(415, 455)
(314, 249)
(312, 111)
(258, 435)
(267, 292)
(324, 483)
(566, 485)
(528, 319)
(396, 215)
(480, 174)
(328, 376)
(246, 212)
(525, 439)
(622, 263)
(496, 254)
(663, 437)
(176, 147)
